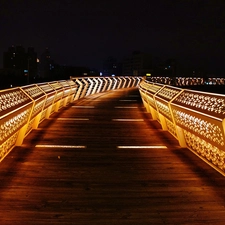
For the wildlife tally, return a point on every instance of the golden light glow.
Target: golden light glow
(142, 147)
(60, 146)
(83, 106)
(128, 100)
(194, 118)
(129, 120)
(24, 108)
(72, 119)
(125, 107)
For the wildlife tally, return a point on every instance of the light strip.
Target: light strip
(125, 107)
(72, 119)
(127, 100)
(82, 106)
(143, 147)
(60, 146)
(134, 120)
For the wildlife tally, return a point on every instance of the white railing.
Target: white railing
(187, 81)
(196, 119)
(22, 109)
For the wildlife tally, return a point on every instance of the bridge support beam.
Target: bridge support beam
(163, 122)
(181, 137)
(21, 135)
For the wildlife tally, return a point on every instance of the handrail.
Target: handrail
(22, 109)
(187, 81)
(196, 119)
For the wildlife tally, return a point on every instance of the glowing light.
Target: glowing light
(83, 106)
(128, 100)
(125, 107)
(72, 119)
(60, 146)
(129, 120)
(143, 147)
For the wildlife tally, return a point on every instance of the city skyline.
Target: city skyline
(85, 33)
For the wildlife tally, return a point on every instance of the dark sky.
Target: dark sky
(85, 32)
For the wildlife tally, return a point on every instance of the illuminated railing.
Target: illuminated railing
(196, 119)
(22, 109)
(187, 81)
(92, 85)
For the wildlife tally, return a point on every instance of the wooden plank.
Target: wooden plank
(101, 184)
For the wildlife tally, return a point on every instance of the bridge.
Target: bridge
(114, 150)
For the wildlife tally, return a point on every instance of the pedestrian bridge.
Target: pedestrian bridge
(114, 150)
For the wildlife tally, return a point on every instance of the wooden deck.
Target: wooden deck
(71, 171)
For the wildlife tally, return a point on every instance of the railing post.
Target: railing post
(163, 122)
(95, 86)
(77, 95)
(181, 137)
(100, 85)
(48, 112)
(153, 113)
(36, 121)
(90, 88)
(114, 86)
(57, 105)
(21, 135)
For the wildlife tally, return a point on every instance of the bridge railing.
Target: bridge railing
(187, 81)
(22, 109)
(196, 119)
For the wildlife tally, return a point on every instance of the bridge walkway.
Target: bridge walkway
(103, 160)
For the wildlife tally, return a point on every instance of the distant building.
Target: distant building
(137, 64)
(167, 68)
(15, 58)
(46, 66)
(23, 63)
(111, 67)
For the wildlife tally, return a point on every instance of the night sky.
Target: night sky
(85, 32)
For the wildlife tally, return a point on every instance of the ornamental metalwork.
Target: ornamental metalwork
(13, 124)
(49, 101)
(151, 101)
(43, 115)
(168, 93)
(37, 108)
(34, 92)
(164, 109)
(7, 145)
(211, 153)
(29, 126)
(171, 128)
(206, 129)
(12, 99)
(203, 102)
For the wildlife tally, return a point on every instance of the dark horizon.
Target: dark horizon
(85, 33)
